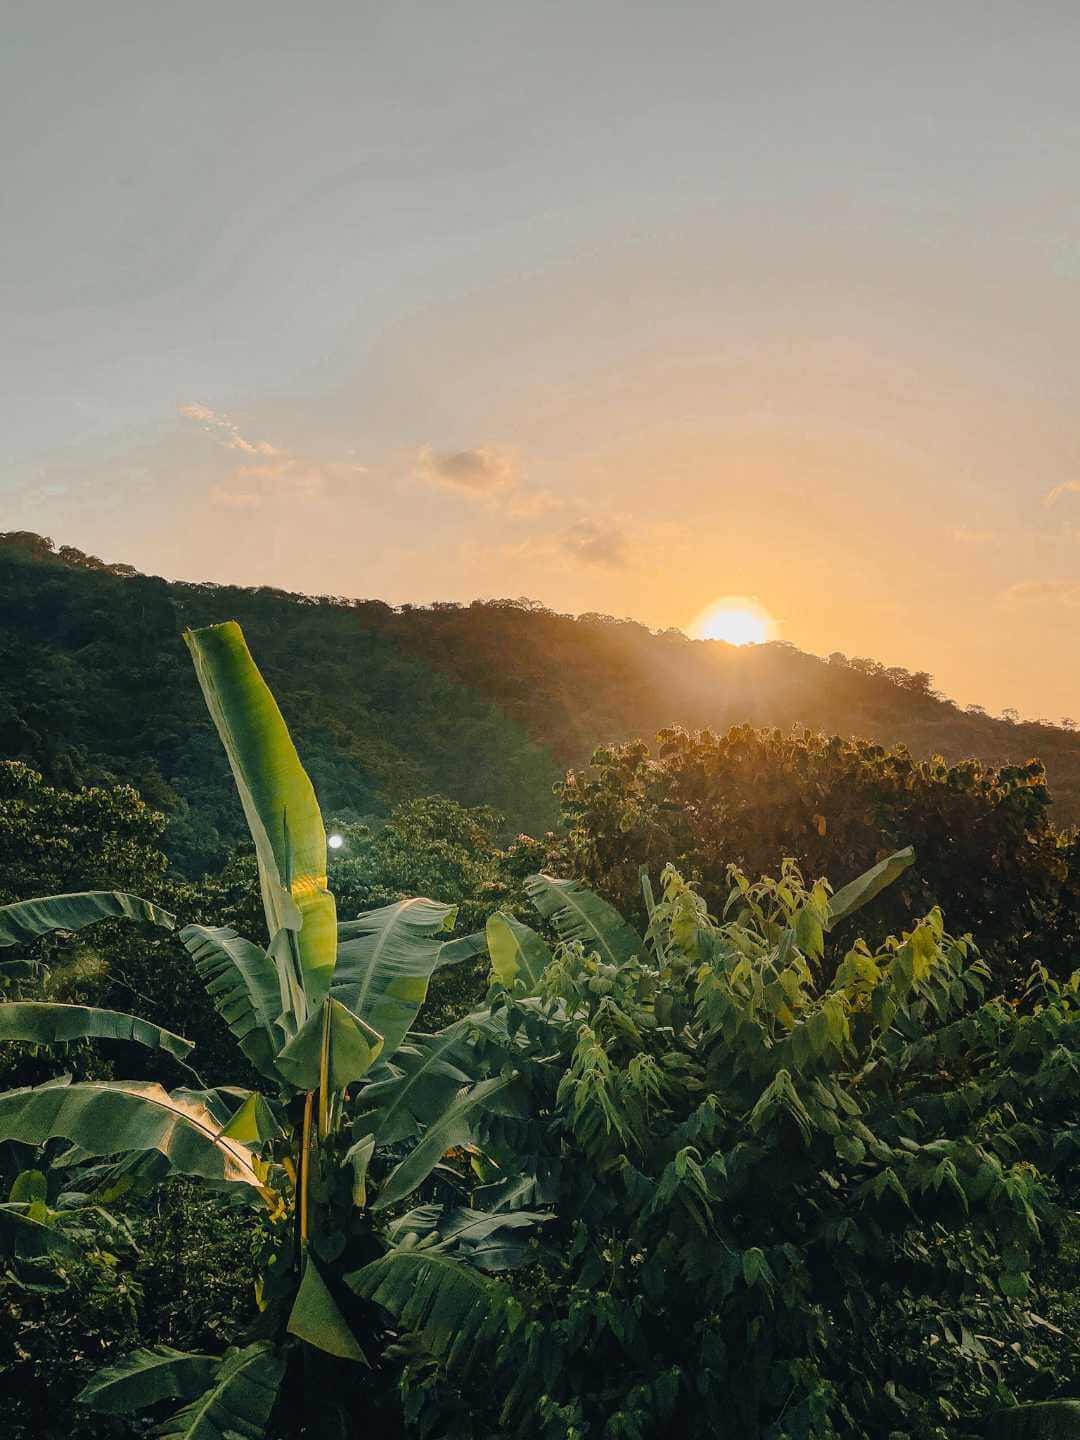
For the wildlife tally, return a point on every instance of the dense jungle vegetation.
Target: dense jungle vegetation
(487, 704)
(713, 1154)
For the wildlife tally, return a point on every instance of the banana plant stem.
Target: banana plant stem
(305, 1166)
(324, 1074)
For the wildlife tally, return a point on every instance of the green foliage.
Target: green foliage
(314, 1012)
(987, 852)
(485, 703)
(97, 687)
(800, 1191)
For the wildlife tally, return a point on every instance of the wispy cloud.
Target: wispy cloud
(225, 431)
(1058, 594)
(276, 472)
(595, 542)
(1068, 487)
(478, 473)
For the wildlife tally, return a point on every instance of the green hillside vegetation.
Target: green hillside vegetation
(486, 703)
(741, 1162)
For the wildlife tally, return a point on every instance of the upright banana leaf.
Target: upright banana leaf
(45, 1024)
(278, 799)
(861, 891)
(110, 1117)
(238, 1402)
(385, 960)
(516, 951)
(578, 914)
(26, 919)
(351, 1048)
(242, 981)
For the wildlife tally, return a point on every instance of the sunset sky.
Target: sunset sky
(622, 307)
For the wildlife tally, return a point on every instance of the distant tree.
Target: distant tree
(985, 848)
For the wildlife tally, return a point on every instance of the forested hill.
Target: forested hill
(486, 703)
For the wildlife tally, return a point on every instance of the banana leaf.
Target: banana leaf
(578, 914)
(146, 1377)
(112, 1117)
(458, 1314)
(242, 982)
(278, 799)
(385, 960)
(516, 951)
(861, 891)
(26, 919)
(46, 1024)
(238, 1402)
(453, 1127)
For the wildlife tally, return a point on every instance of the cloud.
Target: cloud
(225, 430)
(477, 473)
(277, 472)
(1061, 594)
(1068, 487)
(594, 542)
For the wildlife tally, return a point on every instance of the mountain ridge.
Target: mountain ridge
(487, 702)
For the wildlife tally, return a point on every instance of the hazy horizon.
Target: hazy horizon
(621, 307)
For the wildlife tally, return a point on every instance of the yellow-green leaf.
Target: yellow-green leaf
(278, 799)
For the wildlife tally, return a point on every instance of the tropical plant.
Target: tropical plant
(798, 1194)
(355, 1117)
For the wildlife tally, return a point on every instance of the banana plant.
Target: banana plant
(355, 1118)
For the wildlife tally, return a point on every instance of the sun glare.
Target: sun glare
(736, 619)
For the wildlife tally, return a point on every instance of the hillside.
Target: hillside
(486, 703)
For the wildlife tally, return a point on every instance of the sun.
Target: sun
(735, 619)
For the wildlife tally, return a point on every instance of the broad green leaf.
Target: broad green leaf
(29, 1185)
(278, 799)
(45, 1024)
(242, 981)
(516, 951)
(453, 952)
(146, 1377)
(359, 1157)
(26, 919)
(458, 1314)
(253, 1123)
(109, 1117)
(453, 1127)
(238, 1402)
(30, 1230)
(427, 1075)
(353, 1049)
(385, 960)
(316, 1319)
(861, 891)
(492, 1242)
(578, 914)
